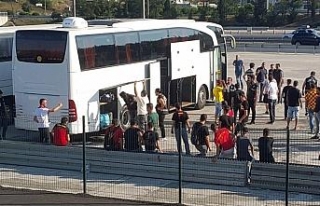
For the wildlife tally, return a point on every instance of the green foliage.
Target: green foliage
(244, 13)
(260, 12)
(26, 7)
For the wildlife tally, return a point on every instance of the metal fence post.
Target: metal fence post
(287, 167)
(180, 162)
(84, 164)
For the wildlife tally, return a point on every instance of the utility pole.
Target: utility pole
(74, 8)
(143, 9)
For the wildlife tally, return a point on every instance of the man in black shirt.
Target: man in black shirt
(252, 97)
(243, 144)
(261, 74)
(284, 97)
(181, 117)
(133, 137)
(131, 105)
(307, 84)
(236, 101)
(265, 145)
(3, 117)
(151, 139)
(202, 133)
(278, 76)
(243, 113)
(294, 101)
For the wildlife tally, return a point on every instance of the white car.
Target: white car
(289, 35)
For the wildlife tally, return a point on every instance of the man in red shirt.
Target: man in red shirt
(114, 136)
(60, 133)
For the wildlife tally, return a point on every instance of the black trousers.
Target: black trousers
(252, 107)
(285, 110)
(44, 135)
(4, 126)
(161, 124)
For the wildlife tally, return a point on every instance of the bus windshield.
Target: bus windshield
(41, 46)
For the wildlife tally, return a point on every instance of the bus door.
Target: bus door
(154, 80)
(183, 67)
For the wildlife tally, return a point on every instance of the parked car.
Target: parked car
(289, 35)
(306, 37)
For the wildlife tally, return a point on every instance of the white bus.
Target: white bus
(78, 64)
(6, 39)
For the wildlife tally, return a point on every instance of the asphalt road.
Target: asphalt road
(28, 197)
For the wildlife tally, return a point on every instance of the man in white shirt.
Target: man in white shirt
(142, 101)
(41, 116)
(272, 92)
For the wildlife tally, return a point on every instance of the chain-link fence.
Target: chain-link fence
(164, 173)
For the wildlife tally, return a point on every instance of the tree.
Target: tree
(260, 12)
(26, 7)
(244, 13)
(313, 7)
(156, 8)
(293, 5)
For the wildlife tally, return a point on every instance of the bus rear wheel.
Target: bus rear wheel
(124, 118)
(202, 98)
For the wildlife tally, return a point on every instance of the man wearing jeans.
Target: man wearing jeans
(202, 133)
(272, 92)
(294, 101)
(238, 70)
(317, 115)
(310, 103)
(181, 117)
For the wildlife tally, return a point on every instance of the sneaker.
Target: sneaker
(270, 122)
(319, 157)
(315, 137)
(252, 123)
(266, 112)
(306, 114)
(164, 139)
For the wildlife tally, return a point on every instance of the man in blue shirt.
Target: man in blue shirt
(238, 69)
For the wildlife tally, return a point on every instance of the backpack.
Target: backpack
(194, 133)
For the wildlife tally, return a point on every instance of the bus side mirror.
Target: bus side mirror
(233, 40)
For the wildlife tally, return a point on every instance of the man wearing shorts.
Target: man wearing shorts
(294, 102)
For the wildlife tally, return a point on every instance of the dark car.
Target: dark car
(306, 37)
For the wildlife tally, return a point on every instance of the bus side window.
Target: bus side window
(127, 47)
(153, 44)
(5, 49)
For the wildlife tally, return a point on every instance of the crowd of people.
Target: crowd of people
(233, 105)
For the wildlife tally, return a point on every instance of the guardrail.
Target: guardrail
(147, 165)
(305, 179)
(275, 47)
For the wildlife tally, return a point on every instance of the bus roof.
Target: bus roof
(12, 29)
(126, 25)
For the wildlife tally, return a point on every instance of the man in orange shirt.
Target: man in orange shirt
(310, 99)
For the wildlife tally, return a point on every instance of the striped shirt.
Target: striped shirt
(310, 98)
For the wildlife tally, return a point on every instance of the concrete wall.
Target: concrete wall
(3, 18)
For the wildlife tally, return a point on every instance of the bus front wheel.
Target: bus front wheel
(202, 98)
